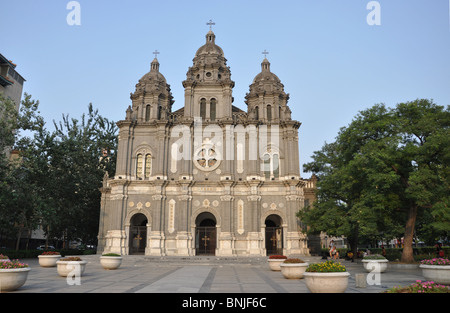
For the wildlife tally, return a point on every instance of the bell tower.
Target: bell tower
(266, 99)
(208, 85)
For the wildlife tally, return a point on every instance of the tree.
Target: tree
(383, 168)
(20, 199)
(76, 171)
(55, 182)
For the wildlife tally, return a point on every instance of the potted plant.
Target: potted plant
(293, 268)
(71, 265)
(275, 261)
(375, 263)
(326, 277)
(111, 261)
(436, 269)
(49, 258)
(13, 275)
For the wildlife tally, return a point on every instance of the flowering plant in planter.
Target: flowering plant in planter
(4, 265)
(292, 261)
(50, 253)
(276, 257)
(111, 261)
(293, 268)
(275, 261)
(420, 287)
(3, 257)
(71, 259)
(326, 277)
(436, 261)
(326, 267)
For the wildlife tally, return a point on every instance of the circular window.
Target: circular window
(208, 74)
(207, 158)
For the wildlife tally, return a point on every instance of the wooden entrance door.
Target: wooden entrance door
(274, 240)
(206, 240)
(138, 238)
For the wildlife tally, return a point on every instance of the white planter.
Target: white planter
(75, 268)
(274, 264)
(48, 260)
(293, 270)
(110, 262)
(335, 282)
(375, 266)
(12, 279)
(438, 273)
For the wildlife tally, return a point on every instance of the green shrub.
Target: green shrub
(111, 254)
(374, 257)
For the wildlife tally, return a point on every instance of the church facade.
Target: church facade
(208, 178)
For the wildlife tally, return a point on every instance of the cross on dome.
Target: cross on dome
(210, 24)
(265, 53)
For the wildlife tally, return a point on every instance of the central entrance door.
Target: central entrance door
(138, 234)
(205, 234)
(274, 235)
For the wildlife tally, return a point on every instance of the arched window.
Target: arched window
(212, 109)
(148, 166)
(143, 165)
(269, 112)
(275, 166)
(139, 165)
(271, 165)
(147, 112)
(159, 112)
(203, 108)
(257, 113)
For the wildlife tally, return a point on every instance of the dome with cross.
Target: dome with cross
(153, 81)
(210, 48)
(266, 81)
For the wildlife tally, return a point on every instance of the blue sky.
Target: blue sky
(332, 63)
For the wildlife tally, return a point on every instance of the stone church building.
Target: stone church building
(209, 178)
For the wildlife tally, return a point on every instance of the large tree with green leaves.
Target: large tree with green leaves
(55, 182)
(383, 169)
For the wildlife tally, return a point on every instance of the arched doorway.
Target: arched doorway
(274, 235)
(205, 234)
(138, 234)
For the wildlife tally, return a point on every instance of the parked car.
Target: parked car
(42, 247)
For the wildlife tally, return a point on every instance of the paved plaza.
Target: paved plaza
(175, 275)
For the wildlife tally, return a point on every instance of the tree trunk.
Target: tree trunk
(407, 254)
(19, 236)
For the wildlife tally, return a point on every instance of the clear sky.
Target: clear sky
(331, 61)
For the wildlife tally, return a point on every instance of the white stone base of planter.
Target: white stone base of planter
(75, 268)
(110, 262)
(335, 282)
(293, 270)
(274, 264)
(375, 266)
(48, 260)
(12, 279)
(438, 273)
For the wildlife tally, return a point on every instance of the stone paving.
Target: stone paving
(175, 275)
